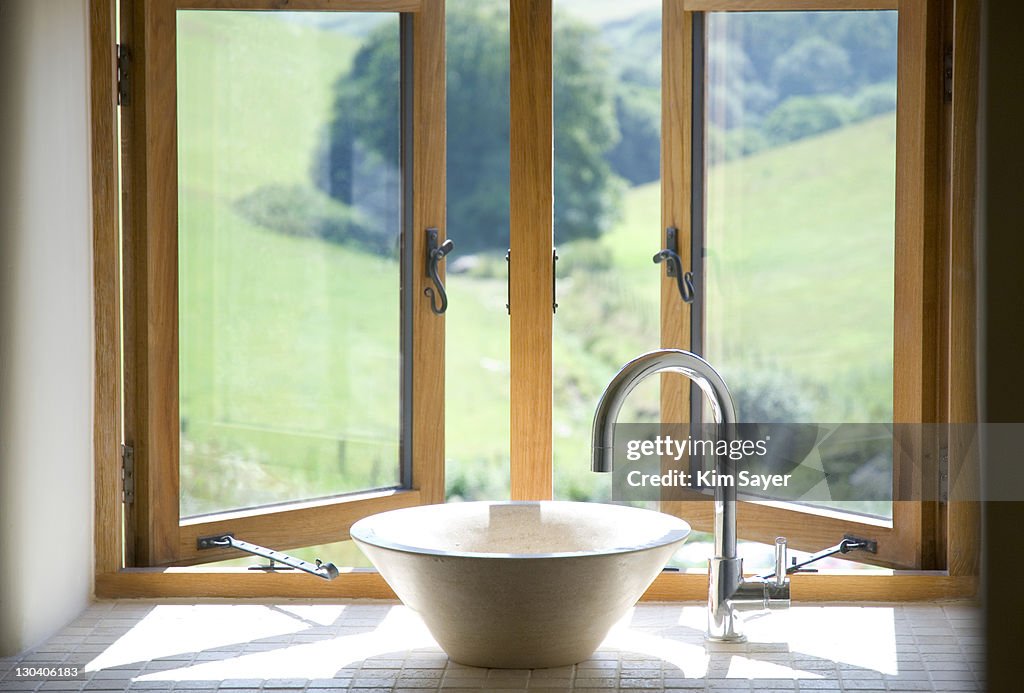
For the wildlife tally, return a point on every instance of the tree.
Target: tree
(764, 36)
(812, 66)
(587, 193)
(869, 39)
(802, 116)
(586, 190)
(637, 156)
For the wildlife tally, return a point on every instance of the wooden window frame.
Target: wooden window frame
(932, 348)
(933, 358)
(148, 297)
(952, 379)
(902, 542)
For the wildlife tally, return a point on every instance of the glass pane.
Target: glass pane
(799, 238)
(477, 326)
(289, 213)
(607, 129)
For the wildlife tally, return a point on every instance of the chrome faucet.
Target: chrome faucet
(728, 591)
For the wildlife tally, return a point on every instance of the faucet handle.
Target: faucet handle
(780, 561)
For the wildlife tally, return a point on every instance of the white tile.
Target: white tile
(910, 685)
(956, 686)
(382, 646)
(596, 682)
(863, 685)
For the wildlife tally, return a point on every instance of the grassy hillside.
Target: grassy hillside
(799, 265)
(255, 94)
(277, 349)
(289, 346)
(799, 235)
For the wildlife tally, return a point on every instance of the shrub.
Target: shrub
(876, 99)
(802, 116)
(302, 211)
(583, 255)
(766, 395)
(734, 144)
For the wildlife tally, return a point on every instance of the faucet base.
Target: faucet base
(730, 594)
(736, 638)
(725, 577)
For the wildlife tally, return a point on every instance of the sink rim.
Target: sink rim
(676, 531)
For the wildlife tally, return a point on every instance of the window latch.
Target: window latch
(848, 544)
(674, 266)
(435, 254)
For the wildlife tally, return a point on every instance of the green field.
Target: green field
(289, 346)
(279, 345)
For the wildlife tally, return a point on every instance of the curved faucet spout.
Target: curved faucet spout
(722, 405)
(728, 591)
(673, 360)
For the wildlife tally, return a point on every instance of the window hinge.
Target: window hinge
(124, 59)
(554, 288)
(128, 474)
(947, 75)
(943, 474)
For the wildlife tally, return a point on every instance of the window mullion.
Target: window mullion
(531, 190)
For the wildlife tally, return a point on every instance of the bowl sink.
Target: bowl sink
(520, 585)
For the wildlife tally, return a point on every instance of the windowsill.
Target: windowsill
(296, 644)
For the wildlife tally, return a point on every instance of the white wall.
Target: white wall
(46, 554)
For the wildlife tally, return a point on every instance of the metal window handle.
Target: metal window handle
(327, 571)
(848, 544)
(674, 267)
(435, 254)
(684, 280)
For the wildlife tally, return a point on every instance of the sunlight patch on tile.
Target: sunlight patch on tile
(694, 617)
(691, 659)
(174, 629)
(860, 636)
(400, 631)
(741, 667)
(320, 614)
(384, 646)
